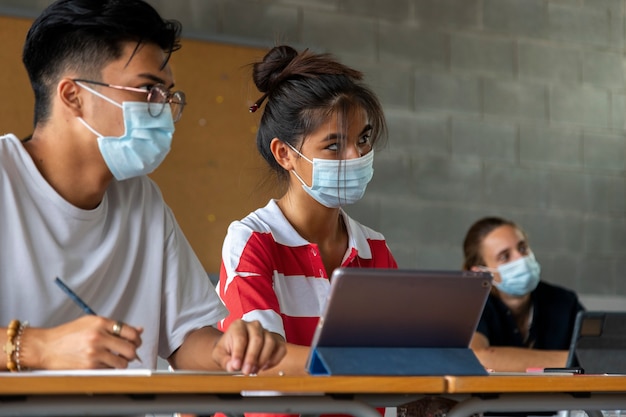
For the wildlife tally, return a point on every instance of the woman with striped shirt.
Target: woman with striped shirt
(318, 132)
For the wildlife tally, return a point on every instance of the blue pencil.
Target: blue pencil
(74, 296)
(79, 301)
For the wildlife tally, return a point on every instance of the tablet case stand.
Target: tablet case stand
(394, 361)
(599, 342)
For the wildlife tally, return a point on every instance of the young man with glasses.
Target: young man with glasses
(75, 203)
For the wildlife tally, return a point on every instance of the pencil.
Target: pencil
(74, 296)
(83, 305)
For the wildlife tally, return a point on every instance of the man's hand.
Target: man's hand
(87, 343)
(249, 348)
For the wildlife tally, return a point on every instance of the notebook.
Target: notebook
(599, 342)
(423, 312)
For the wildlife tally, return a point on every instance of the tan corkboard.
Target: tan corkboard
(16, 107)
(213, 175)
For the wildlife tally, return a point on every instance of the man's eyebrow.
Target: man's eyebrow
(155, 79)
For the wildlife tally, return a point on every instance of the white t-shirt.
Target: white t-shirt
(127, 259)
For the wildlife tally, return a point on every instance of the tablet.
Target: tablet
(598, 343)
(370, 307)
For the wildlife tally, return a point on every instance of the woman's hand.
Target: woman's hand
(249, 348)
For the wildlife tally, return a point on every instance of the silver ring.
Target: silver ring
(117, 328)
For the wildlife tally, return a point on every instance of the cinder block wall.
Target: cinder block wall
(496, 107)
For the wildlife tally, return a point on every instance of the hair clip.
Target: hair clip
(257, 103)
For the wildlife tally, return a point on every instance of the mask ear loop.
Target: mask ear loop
(293, 171)
(102, 96)
(91, 129)
(298, 152)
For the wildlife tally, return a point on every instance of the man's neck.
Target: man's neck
(74, 177)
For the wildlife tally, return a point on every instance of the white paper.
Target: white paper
(115, 372)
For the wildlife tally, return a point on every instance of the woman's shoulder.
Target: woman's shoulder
(549, 287)
(268, 221)
(355, 226)
(262, 220)
(554, 292)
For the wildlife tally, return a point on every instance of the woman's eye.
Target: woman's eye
(523, 249)
(333, 147)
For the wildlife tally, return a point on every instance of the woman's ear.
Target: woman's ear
(69, 97)
(282, 154)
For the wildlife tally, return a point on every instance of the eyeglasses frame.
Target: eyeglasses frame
(168, 99)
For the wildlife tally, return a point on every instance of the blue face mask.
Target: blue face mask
(144, 144)
(519, 277)
(338, 182)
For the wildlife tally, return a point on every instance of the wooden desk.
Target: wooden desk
(500, 393)
(34, 394)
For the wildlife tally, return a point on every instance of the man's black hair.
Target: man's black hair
(83, 36)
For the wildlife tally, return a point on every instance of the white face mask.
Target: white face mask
(518, 277)
(338, 182)
(145, 142)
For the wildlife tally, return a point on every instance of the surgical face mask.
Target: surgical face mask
(338, 182)
(519, 277)
(145, 142)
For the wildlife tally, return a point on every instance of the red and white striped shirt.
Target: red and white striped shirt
(271, 274)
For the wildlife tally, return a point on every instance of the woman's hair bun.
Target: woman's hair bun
(283, 64)
(268, 72)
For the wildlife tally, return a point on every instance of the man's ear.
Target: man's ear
(282, 154)
(68, 93)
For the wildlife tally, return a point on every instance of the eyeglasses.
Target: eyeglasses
(157, 96)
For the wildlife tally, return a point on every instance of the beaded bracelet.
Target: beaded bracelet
(18, 343)
(9, 347)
